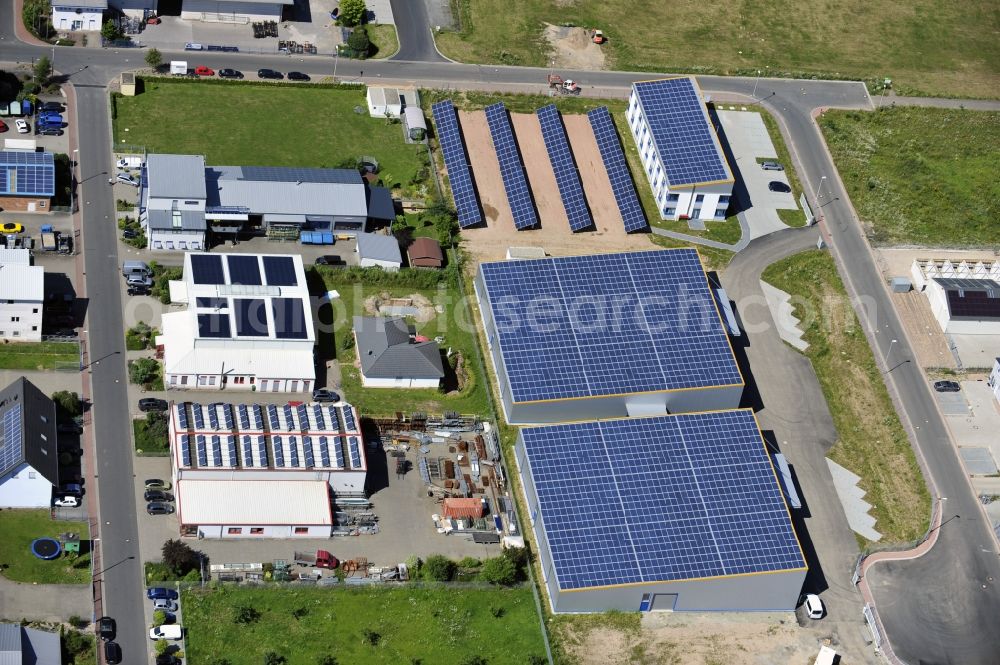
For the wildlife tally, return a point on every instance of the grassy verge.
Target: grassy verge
(922, 45)
(871, 440)
(267, 125)
(150, 435)
(384, 41)
(20, 527)
(38, 355)
(431, 624)
(920, 176)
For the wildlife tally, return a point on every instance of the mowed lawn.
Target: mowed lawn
(20, 527)
(436, 625)
(243, 124)
(38, 355)
(947, 48)
(920, 176)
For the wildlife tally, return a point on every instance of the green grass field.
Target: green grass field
(871, 440)
(925, 46)
(19, 528)
(920, 176)
(384, 39)
(38, 355)
(434, 624)
(248, 124)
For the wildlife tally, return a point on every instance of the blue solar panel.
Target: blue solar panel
(185, 450)
(617, 169)
(213, 417)
(207, 269)
(214, 325)
(272, 417)
(355, 452)
(297, 174)
(216, 450)
(348, 414)
(612, 324)
(227, 415)
(337, 423)
(182, 419)
(289, 417)
(257, 417)
(318, 416)
(307, 451)
(262, 450)
(202, 450)
(243, 269)
(279, 453)
(681, 133)
(567, 176)
(211, 303)
(247, 450)
(199, 418)
(231, 447)
(659, 499)
(338, 451)
(12, 445)
(251, 317)
(289, 318)
(511, 167)
(27, 174)
(280, 271)
(457, 163)
(293, 451)
(324, 451)
(303, 415)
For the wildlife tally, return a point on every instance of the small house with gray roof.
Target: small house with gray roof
(29, 456)
(20, 645)
(392, 355)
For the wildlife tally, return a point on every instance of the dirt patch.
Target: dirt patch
(413, 306)
(573, 48)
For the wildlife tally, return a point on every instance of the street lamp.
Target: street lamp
(888, 353)
(336, 62)
(819, 190)
(72, 178)
(754, 95)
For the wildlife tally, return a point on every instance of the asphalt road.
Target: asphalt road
(414, 30)
(937, 609)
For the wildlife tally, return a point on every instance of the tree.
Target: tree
(438, 568)
(499, 570)
(359, 43)
(179, 557)
(43, 67)
(143, 371)
(67, 403)
(154, 58)
(36, 17)
(352, 12)
(110, 31)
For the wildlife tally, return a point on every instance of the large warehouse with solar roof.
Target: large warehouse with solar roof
(676, 512)
(606, 336)
(680, 150)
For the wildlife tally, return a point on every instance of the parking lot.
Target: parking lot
(974, 420)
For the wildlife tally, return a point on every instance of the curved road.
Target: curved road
(938, 609)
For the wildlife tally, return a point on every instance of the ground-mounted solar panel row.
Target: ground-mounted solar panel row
(567, 176)
(622, 185)
(512, 171)
(455, 159)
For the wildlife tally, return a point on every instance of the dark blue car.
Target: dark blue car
(158, 593)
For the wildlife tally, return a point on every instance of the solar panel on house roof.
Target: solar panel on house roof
(207, 269)
(12, 445)
(307, 451)
(202, 450)
(324, 451)
(511, 167)
(338, 451)
(303, 415)
(199, 418)
(296, 174)
(622, 185)
(289, 318)
(272, 417)
(279, 453)
(231, 448)
(185, 450)
(681, 133)
(456, 161)
(659, 499)
(243, 269)
(214, 325)
(355, 452)
(318, 416)
(227, 415)
(567, 176)
(247, 450)
(213, 417)
(211, 303)
(216, 450)
(348, 415)
(262, 450)
(27, 174)
(280, 271)
(289, 417)
(257, 416)
(293, 451)
(613, 324)
(251, 317)
(182, 419)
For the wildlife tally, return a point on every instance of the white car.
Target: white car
(814, 606)
(167, 632)
(165, 605)
(67, 502)
(22, 126)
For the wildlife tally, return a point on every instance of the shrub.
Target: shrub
(67, 404)
(246, 614)
(178, 556)
(154, 58)
(370, 637)
(359, 43)
(143, 371)
(438, 568)
(159, 617)
(470, 562)
(499, 570)
(352, 12)
(161, 647)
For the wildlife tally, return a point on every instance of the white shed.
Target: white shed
(377, 250)
(390, 102)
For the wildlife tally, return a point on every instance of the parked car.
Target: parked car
(51, 106)
(130, 233)
(11, 228)
(138, 290)
(777, 186)
(298, 76)
(230, 74)
(22, 126)
(152, 404)
(947, 386)
(107, 628)
(127, 179)
(166, 633)
(202, 70)
(161, 592)
(139, 280)
(167, 659)
(157, 484)
(164, 604)
(67, 502)
(814, 606)
(112, 653)
(772, 166)
(330, 260)
(50, 131)
(50, 117)
(325, 395)
(157, 495)
(71, 489)
(158, 508)
(269, 74)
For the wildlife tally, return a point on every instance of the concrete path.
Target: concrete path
(44, 602)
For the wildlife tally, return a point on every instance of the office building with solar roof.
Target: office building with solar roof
(22, 296)
(680, 512)
(606, 336)
(680, 151)
(27, 180)
(964, 295)
(29, 456)
(248, 325)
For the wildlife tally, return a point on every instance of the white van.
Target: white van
(166, 632)
(136, 269)
(130, 162)
(827, 656)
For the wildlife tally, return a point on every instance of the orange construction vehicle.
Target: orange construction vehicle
(563, 86)
(598, 36)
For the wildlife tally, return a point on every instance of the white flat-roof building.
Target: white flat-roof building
(248, 325)
(680, 150)
(254, 508)
(390, 102)
(78, 15)
(233, 11)
(22, 296)
(964, 295)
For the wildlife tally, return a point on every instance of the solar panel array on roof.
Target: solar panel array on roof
(511, 167)
(280, 271)
(622, 185)
(207, 269)
(355, 447)
(659, 499)
(12, 444)
(214, 325)
(681, 134)
(567, 176)
(296, 174)
(185, 450)
(243, 269)
(251, 317)
(27, 174)
(289, 318)
(614, 324)
(182, 419)
(211, 303)
(457, 163)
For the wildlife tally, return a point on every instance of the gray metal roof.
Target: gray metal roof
(43, 645)
(72, 4)
(380, 205)
(191, 220)
(33, 441)
(287, 191)
(385, 351)
(10, 644)
(379, 247)
(176, 176)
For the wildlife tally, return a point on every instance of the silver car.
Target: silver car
(164, 605)
(772, 166)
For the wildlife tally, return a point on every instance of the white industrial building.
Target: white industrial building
(964, 295)
(233, 11)
(680, 150)
(78, 15)
(227, 458)
(22, 296)
(29, 454)
(248, 325)
(390, 102)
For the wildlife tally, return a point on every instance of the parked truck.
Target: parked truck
(321, 559)
(179, 67)
(49, 240)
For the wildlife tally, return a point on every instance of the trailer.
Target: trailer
(179, 67)
(49, 239)
(321, 559)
